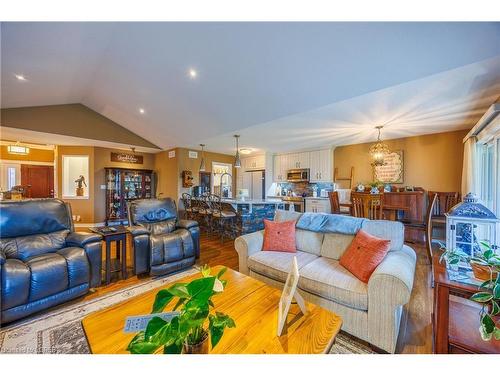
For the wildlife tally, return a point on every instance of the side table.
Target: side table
(120, 238)
(456, 324)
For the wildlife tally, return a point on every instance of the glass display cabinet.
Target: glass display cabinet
(469, 223)
(123, 185)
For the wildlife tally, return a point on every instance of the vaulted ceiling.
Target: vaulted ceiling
(283, 86)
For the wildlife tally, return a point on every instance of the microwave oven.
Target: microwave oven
(297, 175)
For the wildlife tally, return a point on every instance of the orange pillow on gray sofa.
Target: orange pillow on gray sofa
(279, 236)
(364, 254)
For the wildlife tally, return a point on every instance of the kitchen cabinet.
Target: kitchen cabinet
(318, 205)
(321, 166)
(254, 162)
(299, 160)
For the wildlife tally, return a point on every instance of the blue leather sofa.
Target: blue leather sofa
(162, 243)
(43, 261)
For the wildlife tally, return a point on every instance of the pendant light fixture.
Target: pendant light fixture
(202, 164)
(379, 150)
(237, 161)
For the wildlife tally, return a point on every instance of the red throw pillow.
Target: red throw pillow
(364, 254)
(279, 236)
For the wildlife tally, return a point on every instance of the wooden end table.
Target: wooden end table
(252, 304)
(120, 239)
(456, 324)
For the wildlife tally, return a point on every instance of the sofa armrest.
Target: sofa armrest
(389, 288)
(247, 245)
(80, 239)
(186, 224)
(137, 230)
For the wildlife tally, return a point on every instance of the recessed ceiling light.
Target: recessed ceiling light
(246, 151)
(193, 73)
(142, 111)
(20, 77)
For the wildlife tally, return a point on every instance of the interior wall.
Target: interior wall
(74, 120)
(167, 172)
(35, 154)
(433, 162)
(82, 207)
(102, 159)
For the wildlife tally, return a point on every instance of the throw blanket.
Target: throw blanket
(328, 223)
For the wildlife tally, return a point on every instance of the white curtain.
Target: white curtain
(469, 180)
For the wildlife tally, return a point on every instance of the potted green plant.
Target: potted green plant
(452, 257)
(190, 330)
(485, 263)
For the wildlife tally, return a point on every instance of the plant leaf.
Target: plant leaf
(163, 297)
(488, 324)
(205, 270)
(139, 346)
(179, 302)
(174, 348)
(496, 334)
(153, 326)
(495, 309)
(487, 254)
(201, 290)
(221, 272)
(485, 284)
(179, 290)
(496, 291)
(481, 297)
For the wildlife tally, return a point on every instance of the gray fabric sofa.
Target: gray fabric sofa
(371, 312)
(43, 261)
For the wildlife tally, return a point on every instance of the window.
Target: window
(488, 164)
(11, 177)
(75, 177)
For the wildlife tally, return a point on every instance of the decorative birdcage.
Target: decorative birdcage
(468, 223)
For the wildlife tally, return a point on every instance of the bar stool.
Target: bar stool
(189, 210)
(223, 219)
(205, 212)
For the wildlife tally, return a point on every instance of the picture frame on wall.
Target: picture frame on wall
(392, 172)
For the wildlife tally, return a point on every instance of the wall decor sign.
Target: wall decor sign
(122, 157)
(193, 154)
(171, 154)
(392, 170)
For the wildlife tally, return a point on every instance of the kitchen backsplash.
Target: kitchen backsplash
(299, 188)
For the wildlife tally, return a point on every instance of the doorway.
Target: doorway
(38, 180)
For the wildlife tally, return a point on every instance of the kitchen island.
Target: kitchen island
(252, 212)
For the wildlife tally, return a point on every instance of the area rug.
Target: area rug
(60, 331)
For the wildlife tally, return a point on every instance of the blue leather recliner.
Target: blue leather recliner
(43, 261)
(162, 243)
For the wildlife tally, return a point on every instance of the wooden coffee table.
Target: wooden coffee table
(252, 304)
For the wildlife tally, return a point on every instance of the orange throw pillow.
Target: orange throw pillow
(279, 236)
(364, 254)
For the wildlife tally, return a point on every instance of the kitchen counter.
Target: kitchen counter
(325, 198)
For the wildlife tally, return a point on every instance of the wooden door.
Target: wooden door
(38, 180)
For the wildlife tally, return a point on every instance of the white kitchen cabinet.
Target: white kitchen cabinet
(299, 160)
(321, 165)
(254, 162)
(318, 205)
(280, 167)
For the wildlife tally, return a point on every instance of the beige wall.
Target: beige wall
(169, 169)
(433, 162)
(102, 159)
(74, 120)
(82, 207)
(34, 155)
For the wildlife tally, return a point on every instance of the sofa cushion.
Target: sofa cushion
(29, 246)
(49, 275)
(283, 215)
(77, 264)
(334, 245)
(388, 230)
(279, 236)
(364, 255)
(15, 284)
(308, 241)
(326, 278)
(171, 247)
(276, 265)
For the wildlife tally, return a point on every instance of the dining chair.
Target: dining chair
(429, 226)
(335, 203)
(369, 206)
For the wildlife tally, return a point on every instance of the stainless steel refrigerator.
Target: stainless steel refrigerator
(255, 182)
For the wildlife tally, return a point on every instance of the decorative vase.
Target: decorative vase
(482, 272)
(199, 348)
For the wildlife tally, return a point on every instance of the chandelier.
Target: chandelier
(202, 164)
(379, 150)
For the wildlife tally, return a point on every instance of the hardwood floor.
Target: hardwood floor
(416, 338)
